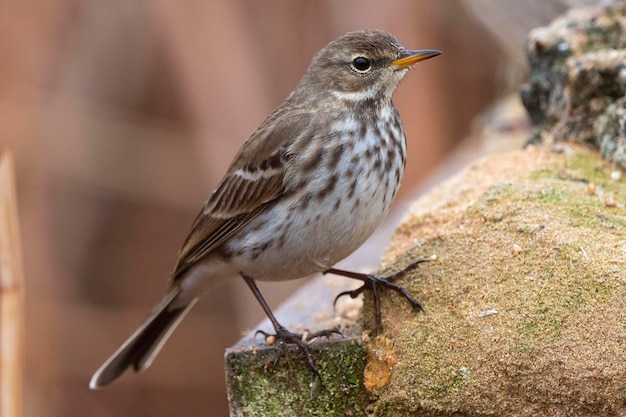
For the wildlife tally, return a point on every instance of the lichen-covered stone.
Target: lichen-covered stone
(611, 128)
(257, 388)
(526, 302)
(291, 389)
(577, 72)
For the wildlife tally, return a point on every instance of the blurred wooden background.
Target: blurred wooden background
(123, 115)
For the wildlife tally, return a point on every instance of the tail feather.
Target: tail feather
(144, 344)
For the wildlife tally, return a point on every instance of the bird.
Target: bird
(306, 189)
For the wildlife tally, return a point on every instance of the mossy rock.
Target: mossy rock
(257, 388)
(526, 302)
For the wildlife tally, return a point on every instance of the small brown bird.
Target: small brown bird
(305, 191)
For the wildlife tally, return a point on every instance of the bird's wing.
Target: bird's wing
(255, 178)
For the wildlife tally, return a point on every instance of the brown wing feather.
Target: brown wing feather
(255, 178)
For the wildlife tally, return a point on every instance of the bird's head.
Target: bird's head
(361, 65)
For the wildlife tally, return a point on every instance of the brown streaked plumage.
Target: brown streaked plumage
(305, 190)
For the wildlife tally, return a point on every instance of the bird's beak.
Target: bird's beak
(411, 57)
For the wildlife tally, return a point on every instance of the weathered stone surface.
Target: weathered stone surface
(611, 129)
(577, 74)
(256, 388)
(290, 389)
(526, 303)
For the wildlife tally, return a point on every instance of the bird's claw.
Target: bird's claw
(373, 282)
(282, 337)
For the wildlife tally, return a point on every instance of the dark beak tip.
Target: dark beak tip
(411, 57)
(427, 53)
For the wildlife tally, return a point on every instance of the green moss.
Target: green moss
(291, 389)
(611, 221)
(497, 193)
(593, 170)
(543, 324)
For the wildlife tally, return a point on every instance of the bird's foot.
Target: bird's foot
(282, 337)
(374, 282)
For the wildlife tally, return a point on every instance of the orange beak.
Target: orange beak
(411, 57)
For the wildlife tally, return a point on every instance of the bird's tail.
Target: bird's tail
(144, 344)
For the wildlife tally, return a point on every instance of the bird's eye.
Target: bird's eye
(361, 64)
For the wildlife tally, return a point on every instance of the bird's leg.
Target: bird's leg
(372, 282)
(284, 336)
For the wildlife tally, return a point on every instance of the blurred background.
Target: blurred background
(123, 115)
